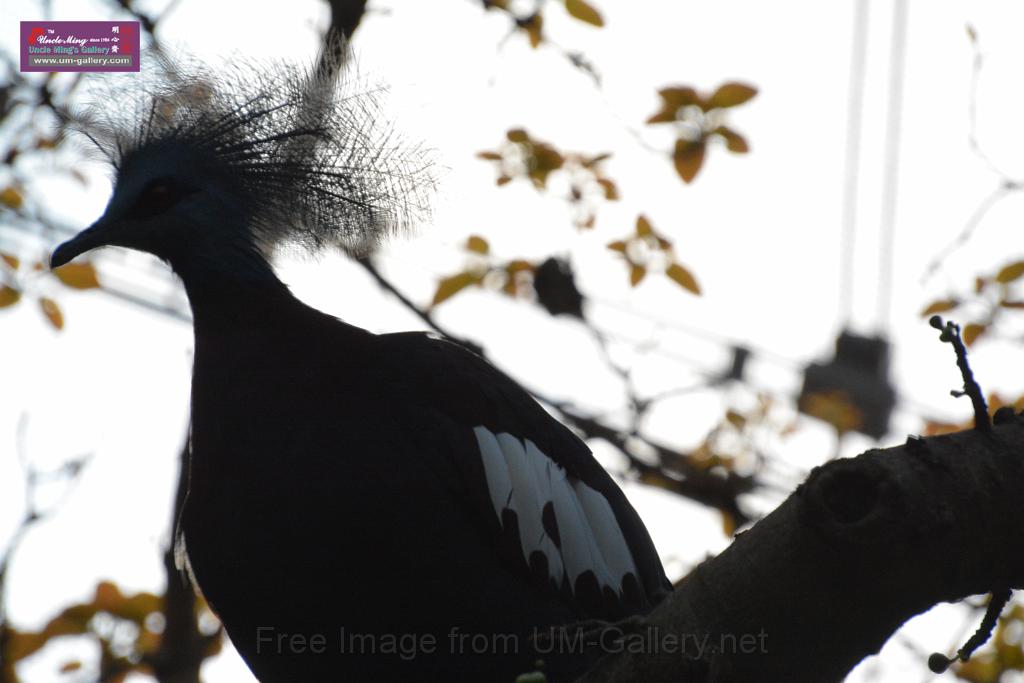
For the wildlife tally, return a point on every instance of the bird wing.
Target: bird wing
(552, 510)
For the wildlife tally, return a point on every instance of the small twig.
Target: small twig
(950, 332)
(939, 662)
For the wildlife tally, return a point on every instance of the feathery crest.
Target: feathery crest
(305, 151)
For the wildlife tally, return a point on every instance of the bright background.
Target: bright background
(761, 232)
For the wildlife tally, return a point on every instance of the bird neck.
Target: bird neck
(236, 287)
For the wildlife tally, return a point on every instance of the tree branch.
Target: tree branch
(858, 549)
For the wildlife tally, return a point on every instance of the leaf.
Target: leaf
(972, 332)
(636, 274)
(450, 286)
(728, 523)
(731, 95)
(595, 160)
(11, 198)
(8, 296)
(734, 142)
(534, 29)
(643, 226)
(683, 277)
(618, 245)
(611, 192)
(478, 245)
(584, 12)
(78, 275)
(679, 97)
(517, 135)
(688, 158)
(735, 419)
(1007, 303)
(972, 34)
(519, 266)
(940, 306)
(1011, 272)
(489, 156)
(52, 312)
(68, 667)
(11, 260)
(502, 180)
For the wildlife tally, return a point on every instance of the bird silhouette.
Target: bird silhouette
(360, 507)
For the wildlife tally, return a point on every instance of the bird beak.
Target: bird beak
(90, 238)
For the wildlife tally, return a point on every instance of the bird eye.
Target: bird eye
(157, 197)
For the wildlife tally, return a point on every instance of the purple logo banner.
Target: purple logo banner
(79, 46)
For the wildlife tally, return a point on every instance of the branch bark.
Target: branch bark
(860, 547)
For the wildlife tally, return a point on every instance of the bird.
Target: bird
(360, 506)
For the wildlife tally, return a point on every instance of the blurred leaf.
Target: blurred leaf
(502, 179)
(52, 312)
(534, 27)
(517, 135)
(688, 158)
(489, 156)
(8, 296)
(46, 143)
(734, 142)
(643, 226)
(450, 286)
(584, 12)
(618, 245)
(78, 275)
(478, 245)
(636, 274)
(683, 277)
(11, 198)
(940, 306)
(731, 95)
(611, 192)
(1010, 272)
(595, 160)
(728, 523)
(68, 667)
(519, 266)
(979, 284)
(972, 332)
(13, 261)
(679, 97)
(1007, 303)
(735, 419)
(972, 34)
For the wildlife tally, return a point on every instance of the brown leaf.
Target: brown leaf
(517, 135)
(519, 266)
(1008, 303)
(1010, 272)
(502, 180)
(478, 245)
(688, 158)
(450, 286)
(731, 95)
(636, 274)
(940, 306)
(11, 198)
(683, 277)
(734, 142)
(78, 275)
(972, 332)
(618, 245)
(611, 192)
(489, 156)
(52, 312)
(8, 296)
(683, 96)
(11, 260)
(68, 667)
(643, 226)
(534, 29)
(584, 12)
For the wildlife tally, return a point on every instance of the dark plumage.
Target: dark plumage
(360, 507)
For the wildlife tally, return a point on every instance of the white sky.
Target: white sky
(760, 231)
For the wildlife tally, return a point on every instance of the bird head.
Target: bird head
(217, 163)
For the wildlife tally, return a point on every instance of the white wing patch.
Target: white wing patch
(522, 479)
